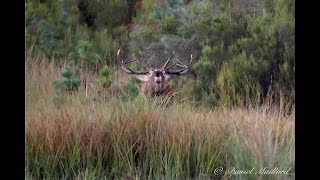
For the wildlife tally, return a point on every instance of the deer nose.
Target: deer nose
(158, 81)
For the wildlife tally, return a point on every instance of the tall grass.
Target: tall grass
(71, 136)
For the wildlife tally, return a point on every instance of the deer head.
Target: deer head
(155, 80)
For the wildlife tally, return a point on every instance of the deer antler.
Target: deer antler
(184, 67)
(165, 65)
(145, 60)
(127, 61)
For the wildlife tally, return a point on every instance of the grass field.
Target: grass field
(71, 136)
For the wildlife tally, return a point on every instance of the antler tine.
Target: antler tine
(127, 61)
(181, 64)
(165, 65)
(145, 61)
(171, 66)
(148, 64)
(125, 68)
(185, 68)
(118, 54)
(179, 72)
(190, 62)
(191, 59)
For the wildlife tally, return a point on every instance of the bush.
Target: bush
(131, 87)
(68, 82)
(239, 79)
(168, 24)
(105, 77)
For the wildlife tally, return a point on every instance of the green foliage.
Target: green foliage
(204, 70)
(145, 33)
(204, 89)
(158, 12)
(105, 71)
(131, 87)
(239, 79)
(109, 13)
(67, 73)
(28, 39)
(56, 31)
(173, 3)
(68, 82)
(105, 77)
(168, 24)
(169, 7)
(220, 35)
(255, 36)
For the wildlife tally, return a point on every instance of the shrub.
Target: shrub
(239, 79)
(131, 87)
(105, 77)
(168, 24)
(68, 82)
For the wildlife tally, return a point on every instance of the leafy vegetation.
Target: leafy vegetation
(234, 109)
(105, 77)
(69, 81)
(256, 32)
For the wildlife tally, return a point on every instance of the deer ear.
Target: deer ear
(142, 77)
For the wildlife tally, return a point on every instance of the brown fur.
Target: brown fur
(148, 90)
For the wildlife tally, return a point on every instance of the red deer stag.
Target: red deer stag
(155, 82)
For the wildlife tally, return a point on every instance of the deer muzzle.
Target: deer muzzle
(158, 80)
